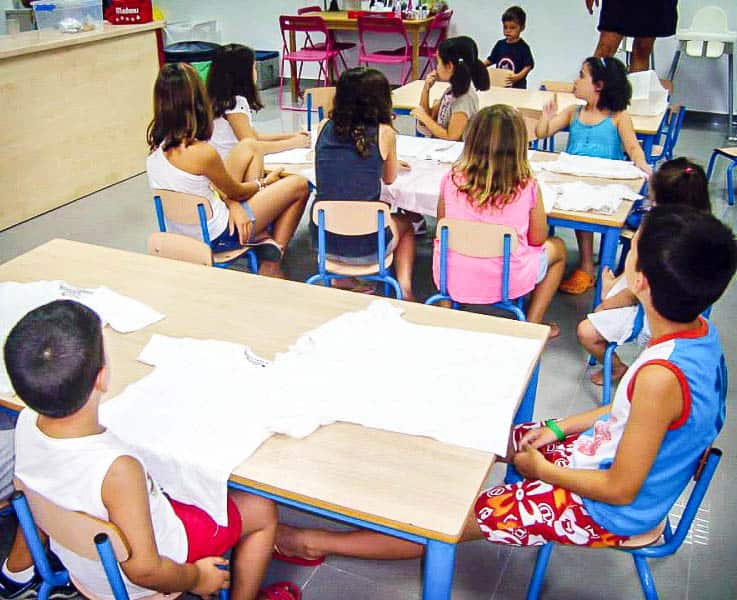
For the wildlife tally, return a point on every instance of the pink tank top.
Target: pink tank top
(479, 280)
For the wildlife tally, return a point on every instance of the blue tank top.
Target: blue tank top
(601, 140)
(342, 174)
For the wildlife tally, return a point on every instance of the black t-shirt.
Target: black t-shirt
(513, 57)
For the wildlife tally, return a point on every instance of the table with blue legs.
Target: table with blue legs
(410, 487)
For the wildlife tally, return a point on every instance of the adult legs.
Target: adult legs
(642, 48)
(608, 44)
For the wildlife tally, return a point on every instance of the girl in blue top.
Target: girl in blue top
(602, 128)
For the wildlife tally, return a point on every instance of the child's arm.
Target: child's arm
(441, 206)
(456, 126)
(620, 300)
(570, 426)
(125, 495)
(551, 120)
(513, 78)
(629, 141)
(270, 143)
(430, 80)
(538, 230)
(657, 401)
(388, 151)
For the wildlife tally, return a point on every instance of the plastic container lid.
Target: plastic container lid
(190, 51)
(266, 54)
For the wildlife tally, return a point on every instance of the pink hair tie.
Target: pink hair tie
(688, 170)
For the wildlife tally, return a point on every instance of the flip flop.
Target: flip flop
(297, 560)
(266, 249)
(282, 590)
(578, 282)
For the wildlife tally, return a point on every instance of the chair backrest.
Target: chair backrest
(309, 9)
(710, 19)
(293, 24)
(320, 99)
(556, 86)
(348, 217)
(383, 26)
(75, 531)
(179, 247)
(438, 30)
(498, 77)
(480, 240)
(183, 208)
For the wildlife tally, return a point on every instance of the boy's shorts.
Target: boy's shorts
(204, 536)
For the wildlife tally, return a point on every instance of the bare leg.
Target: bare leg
(595, 344)
(252, 553)
(404, 255)
(20, 557)
(641, 50)
(545, 290)
(585, 241)
(245, 162)
(608, 44)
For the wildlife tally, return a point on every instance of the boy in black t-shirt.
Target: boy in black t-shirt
(512, 53)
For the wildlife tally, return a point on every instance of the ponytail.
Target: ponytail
(462, 53)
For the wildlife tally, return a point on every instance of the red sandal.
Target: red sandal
(297, 560)
(282, 590)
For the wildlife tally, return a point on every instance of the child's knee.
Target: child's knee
(587, 333)
(256, 512)
(556, 249)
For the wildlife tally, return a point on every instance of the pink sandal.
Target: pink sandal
(282, 590)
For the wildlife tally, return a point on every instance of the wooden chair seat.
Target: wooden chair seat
(728, 152)
(342, 268)
(87, 594)
(229, 255)
(557, 86)
(645, 539)
(179, 247)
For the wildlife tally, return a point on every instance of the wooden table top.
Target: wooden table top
(411, 483)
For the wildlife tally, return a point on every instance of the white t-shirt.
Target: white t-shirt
(223, 137)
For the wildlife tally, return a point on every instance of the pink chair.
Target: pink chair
(339, 46)
(387, 26)
(436, 33)
(324, 55)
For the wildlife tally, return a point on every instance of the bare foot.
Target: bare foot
(554, 329)
(293, 541)
(618, 372)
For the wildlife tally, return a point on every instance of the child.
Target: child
(358, 139)
(181, 160)
(677, 181)
(512, 52)
(602, 128)
(56, 360)
(232, 88)
(457, 63)
(600, 477)
(492, 182)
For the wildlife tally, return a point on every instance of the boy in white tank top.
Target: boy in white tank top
(56, 361)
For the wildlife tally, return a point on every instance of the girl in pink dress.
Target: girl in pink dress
(492, 182)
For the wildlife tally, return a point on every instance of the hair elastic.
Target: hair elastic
(603, 61)
(688, 170)
(460, 61)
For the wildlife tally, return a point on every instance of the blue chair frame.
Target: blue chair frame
(249, 254)
(670, 130)
(730, 169)
(673, 539)
(383, 274)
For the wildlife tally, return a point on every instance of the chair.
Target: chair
(323, 53)
(641, 548)
(709, 37)
(344, 217)
(80, 533)
(187, 209)
(391, 27)
(731, 155)
(480, 240)
(436, 33)
(338, 46)
(531, 118)
(179, 247)
(498, 77)
(320, 99)
(670, 131)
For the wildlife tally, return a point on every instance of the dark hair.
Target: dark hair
(463, 54)
(53, 356)
(231, 75)
(182, 112)
(681, 181)
(616, 91)
(688, 257)
(516, 14)
(363, 99)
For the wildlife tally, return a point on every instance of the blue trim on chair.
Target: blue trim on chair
(160, 214)
(111, 567)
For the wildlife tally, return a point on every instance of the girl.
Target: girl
(457, 63)
(603, 129)
(181, 160)
(677, 181)
(231, 85)
(492, 183)
(358, 139)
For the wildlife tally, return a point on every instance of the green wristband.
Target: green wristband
(553, 426)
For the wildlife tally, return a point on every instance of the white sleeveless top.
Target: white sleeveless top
(70, 472)
(163, 175)
(223, 137)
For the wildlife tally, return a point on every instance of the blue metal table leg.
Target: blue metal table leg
(437, 580)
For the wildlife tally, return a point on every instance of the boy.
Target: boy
(56, 361)
(600, 477)
(512, 52)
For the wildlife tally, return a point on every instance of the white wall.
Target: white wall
(560, 32)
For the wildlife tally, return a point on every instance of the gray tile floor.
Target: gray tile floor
(122, 216)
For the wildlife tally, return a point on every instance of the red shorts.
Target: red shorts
(533, 512)
(204, 536)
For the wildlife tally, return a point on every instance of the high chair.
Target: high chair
(644, 546)
(320, 99)
(188, 209)
(343, 217)
(388, 27)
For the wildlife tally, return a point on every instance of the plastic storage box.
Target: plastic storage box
(267, 68)
(69, 16)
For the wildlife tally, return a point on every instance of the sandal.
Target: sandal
(578, 282)
(297, 560)
(282, 590)
(351, 284)
(266, 248)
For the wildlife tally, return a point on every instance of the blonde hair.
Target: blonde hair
(494, 163)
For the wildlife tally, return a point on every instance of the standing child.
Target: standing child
(512, 53)
(605, 475)
(356, 150)
(677, 181)
(602, 128)
(182, 160)
(56, 360)
(492, 183)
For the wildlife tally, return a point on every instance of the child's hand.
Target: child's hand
(590, 5)
(210, 577)
(509, 79)
(529, 462)
(404, 165)
(431, 78)
(551, 108)
(238, 221)
(301, 140)
(420, 114)
(541, 436)
(607, 281)
(275, 174)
